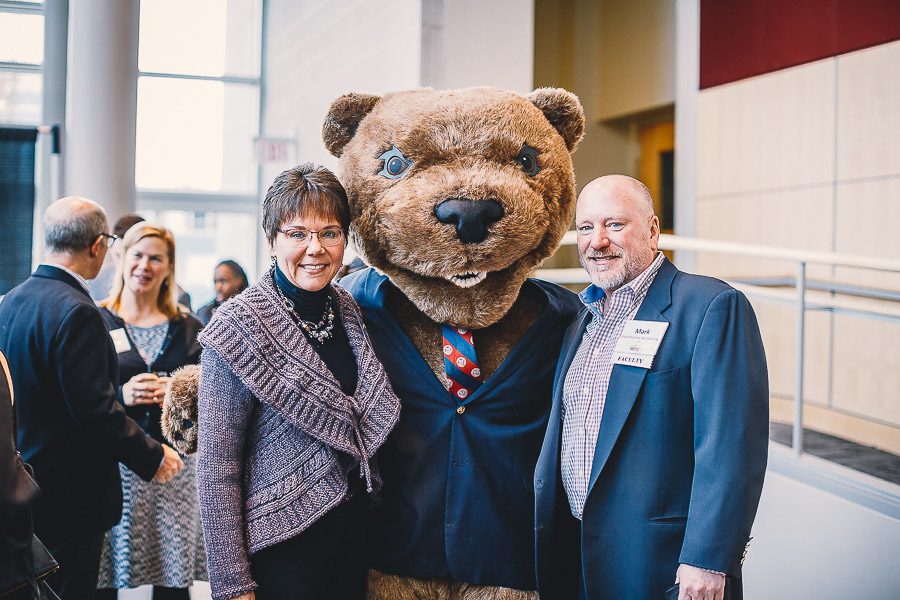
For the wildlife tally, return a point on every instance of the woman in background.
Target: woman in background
(229, 279)
(159, 540)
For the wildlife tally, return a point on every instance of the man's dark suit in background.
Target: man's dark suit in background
(72, 429)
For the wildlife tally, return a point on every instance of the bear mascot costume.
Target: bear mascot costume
(455, 197)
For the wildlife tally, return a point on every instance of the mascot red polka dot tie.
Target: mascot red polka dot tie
(459, 362)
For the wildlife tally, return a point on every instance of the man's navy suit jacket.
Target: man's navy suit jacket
(680, 458)
(72, 429)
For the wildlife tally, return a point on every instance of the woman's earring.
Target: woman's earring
(274, 260)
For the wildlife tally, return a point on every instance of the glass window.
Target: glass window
(21, 38)
(202, 37)
(196, 135)
(202, 240)
(20, 98)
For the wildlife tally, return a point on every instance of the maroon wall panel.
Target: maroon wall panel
(743, 38)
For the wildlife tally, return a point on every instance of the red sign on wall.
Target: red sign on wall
(274, 150)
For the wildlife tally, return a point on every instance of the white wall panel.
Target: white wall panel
(768, 132)
(868, 107)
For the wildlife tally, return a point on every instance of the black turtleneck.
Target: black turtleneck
(335, 352)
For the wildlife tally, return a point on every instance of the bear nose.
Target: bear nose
(470, 217)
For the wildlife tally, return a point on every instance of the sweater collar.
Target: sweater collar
(264, 347)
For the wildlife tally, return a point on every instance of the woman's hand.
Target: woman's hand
(144, 388)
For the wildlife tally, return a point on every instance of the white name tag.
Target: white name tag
(120, 340)
(639, 342)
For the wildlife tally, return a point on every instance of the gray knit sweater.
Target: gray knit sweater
(277, 438)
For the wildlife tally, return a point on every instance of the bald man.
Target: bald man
(654, 457)
(64, 368)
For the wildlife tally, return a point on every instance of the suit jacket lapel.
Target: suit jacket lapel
(625, 381)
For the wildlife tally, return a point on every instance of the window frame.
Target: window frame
(215, 201)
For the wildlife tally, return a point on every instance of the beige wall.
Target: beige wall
(318, 51)
(484, 43)
(619, 58)
(808, 158)
(637, 56)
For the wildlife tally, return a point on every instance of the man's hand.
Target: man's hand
(697, 584)
(171, 466)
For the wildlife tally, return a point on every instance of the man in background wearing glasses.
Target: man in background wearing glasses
(72, 429)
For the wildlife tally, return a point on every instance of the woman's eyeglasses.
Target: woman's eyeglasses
(330, 236)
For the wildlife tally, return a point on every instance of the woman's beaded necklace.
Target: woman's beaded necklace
(321, 331)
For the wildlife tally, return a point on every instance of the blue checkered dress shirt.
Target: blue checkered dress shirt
(584, 390)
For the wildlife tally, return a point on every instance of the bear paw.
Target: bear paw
(179, 410)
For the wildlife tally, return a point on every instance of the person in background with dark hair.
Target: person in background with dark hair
(292, 406)
(72, 429)
(229, 279)
(159, 540)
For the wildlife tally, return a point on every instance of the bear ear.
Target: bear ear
(343, 118)
(563, 110)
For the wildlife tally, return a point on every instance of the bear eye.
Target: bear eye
(527, 160)
(395, 164)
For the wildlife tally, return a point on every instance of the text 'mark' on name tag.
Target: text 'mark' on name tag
(639, 342)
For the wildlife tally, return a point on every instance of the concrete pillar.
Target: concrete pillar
(687, 89)
(102, 102)
(56, 23)
(53, 113)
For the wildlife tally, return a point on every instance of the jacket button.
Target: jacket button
(539, 483)
(460, 410)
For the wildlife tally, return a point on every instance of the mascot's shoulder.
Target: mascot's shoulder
(562, 300)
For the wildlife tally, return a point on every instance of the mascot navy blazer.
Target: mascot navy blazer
(430, 519)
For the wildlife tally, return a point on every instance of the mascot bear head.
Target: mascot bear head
(457, 195)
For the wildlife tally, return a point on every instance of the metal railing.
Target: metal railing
(799, 297)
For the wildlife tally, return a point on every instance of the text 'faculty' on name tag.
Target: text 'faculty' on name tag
(639, 342)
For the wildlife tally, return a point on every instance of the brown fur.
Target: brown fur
(179, 411)
(494, 343)
(393, 587)
(345, 115)
(462, 144)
